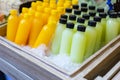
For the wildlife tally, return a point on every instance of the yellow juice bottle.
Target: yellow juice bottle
(46, 34)
(99, 29)
(12, 25)
(91, 35)
(60, 10)
(23, 30)
(78, 45)
(40, 9)
(39, 3)
(46, 15)
(103, 22)
(24, 10)
(33, 6)
(60, 4)
(36, 28)
(75, 2)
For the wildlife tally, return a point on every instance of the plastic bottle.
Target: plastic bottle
(66, 39)
(53, 6)
(91, 35)
(91, 8)
(84, 5)
(80, 21)
(72, 18)
(12, 25)
(64, 16)
(84, 11)
(55, 47)
(99, 29)
(92, 14)
(36, 28)
(46, 15)
(60, 3)
(99, 10)
(78, 45)
(24, 10)
(75, 2)
(40, 9)
(119, 20)
(103, 22)
(75, 7)
(60, 11)
(46, 34)
(68, 11)
(33, 6)
(86, 17)
(77, 13)
(23, 30)
(39, 3)
(112, 27)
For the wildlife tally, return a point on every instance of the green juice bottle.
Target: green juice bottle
(78, 45)
(99, 10)
(92, 15)
(77, 13)
(86, 17)
(119, 20)
(64, 16)
(99, 29)
(91, 35)
(84, 11)
(72, 18)
(112, 27)
(91, 8)
(68, 11)
(75, 7)
(103, 22)
(66, 39)
(55, 47)
(80, 21)
(83, 5)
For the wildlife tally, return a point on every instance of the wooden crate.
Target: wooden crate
(3, 29)
(32, 67)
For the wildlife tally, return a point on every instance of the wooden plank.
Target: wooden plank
(103, 63)
(13, 72)
(117, 76)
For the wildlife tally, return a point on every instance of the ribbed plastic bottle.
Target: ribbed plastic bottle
(36, 28)
(80, 21)
(72, 18)
(103, 22)
(78, 45)
(92, 15)
(12, 25)
(66, 39)
(46, 34)
(112, 27)
(99, 29)
(55, 47)
(77, 13)
(23, 30)
(91, 35)
(68, 11)
(86, 17)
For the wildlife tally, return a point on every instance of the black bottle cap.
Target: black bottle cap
(92, 23)
(113, 15)
(86, 16)
(100, 10)
(118, 14)
(110, 11)
(84, 9)
(70, 25)
(64, 16)
(81, 28)
(92, 14)
(75, 6)
(83, 4)
(62, 21)
(72, 17)
(103, 15)
(80, 20)
(91, 7)
(97, 19)
(77, 12)
(68, 10)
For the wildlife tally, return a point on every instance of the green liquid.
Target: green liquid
(78, 47)
(57, 38)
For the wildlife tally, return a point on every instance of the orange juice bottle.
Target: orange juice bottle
(33, 6)
(39, 3)
(24, 10)
(75, 2)
(60, 11)
(12, 25)
(36, 28)
(46, 15)
(40, 9)
(23, 30)
(46, 34)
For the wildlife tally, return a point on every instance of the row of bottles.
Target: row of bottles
(31, 26)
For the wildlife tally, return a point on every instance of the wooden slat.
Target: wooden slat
(117, 76)
(14, 73)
